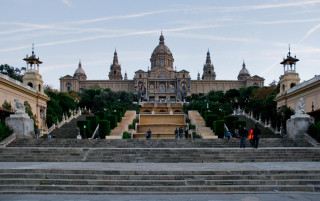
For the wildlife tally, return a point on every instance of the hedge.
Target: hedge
(104, 128)
(85, 132)
(237, 123)
(118, 114)
(210, 119)
(101, 115)
(5, 131)
(113, 120)
(93, 122)
(191, 126)
(314, 131)
(219, 128)
(229, 121)
(126, 135)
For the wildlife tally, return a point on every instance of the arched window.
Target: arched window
(292, 85)
(209, 72)
(114, 72)
(140, 75)
(283, 87)
(68, 85)
(39, 88)
(255, 84)
(30, 84)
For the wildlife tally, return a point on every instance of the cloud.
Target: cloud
(315, 28)
(121, 17)
(67, 2)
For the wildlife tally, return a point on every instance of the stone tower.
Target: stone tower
(289, 78)
(32, 78)
(115, 68)
(208, 70)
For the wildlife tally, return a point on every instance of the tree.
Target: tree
(28, 110)
(14, 73)
(7, 105)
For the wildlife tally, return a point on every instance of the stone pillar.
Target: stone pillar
(297, 125)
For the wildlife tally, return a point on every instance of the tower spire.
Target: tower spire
(32, 49)
(161, 40)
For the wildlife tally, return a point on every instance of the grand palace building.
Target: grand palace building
(162, 81)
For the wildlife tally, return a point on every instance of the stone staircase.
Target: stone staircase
(57, 181)
(126, 120)
(71, 166)
(161, 125)
(201, 129)
(158, 155)
(153, 143)
(68, 130)
(265, 132)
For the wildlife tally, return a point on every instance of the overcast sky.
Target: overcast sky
(66, 31)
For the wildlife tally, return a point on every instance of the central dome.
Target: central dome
(161, 56)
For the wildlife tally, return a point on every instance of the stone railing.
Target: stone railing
(65, 119)
(8, 140)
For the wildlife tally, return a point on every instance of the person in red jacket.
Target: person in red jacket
(250, 137)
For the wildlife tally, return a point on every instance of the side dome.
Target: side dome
(161, 56)
(79, 73)
(244, 73)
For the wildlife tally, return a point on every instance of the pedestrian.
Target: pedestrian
(186, 133)
(176, 132)
(149, 133)
(256, 136)
(243, 136)
(228, 135)
(180, 132)
(250, 137)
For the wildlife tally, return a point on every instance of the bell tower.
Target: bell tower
(208, 70)
(32, 78)
(290, 77)
(115, 68)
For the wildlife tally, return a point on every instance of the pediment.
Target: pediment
(66, 77)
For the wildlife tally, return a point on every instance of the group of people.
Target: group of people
(253, 135)
(179, 132)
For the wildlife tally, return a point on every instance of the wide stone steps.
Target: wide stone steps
(158, 155)
(152, 143)
(103, 182)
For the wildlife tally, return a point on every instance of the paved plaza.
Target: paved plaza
(272, 196)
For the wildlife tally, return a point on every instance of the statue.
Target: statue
(19, 108)
(300, 109)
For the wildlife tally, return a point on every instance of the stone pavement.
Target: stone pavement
(274, 196)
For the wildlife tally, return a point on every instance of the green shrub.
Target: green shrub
(126, 135)
(196, 136)
(187, 120)
(85, 132)
(219, 128)
(210, 119)
(314, 131)
(118, 114)
(229, 121)
(5, 131)
(191, 126)
(104, 128)
(93, 122)
(113, 120)
(100, 115)
(237, 123)
(131, 126)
